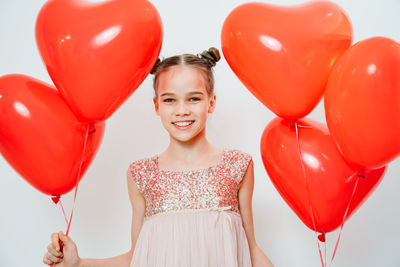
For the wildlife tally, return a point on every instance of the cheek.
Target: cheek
(163, 107)
(165, 112)
(202, 110)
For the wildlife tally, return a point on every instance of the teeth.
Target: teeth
(183, 123)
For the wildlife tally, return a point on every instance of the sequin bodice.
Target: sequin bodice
(213, 187)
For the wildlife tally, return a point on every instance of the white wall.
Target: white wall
(102, 218)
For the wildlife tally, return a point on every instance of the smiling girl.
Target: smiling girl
(192, 203)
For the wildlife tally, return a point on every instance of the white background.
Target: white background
(102, 218)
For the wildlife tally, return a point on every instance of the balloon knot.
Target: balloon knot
(92, 129)
(55, 199)
(321, 237)
(292, 123)
(361, 173)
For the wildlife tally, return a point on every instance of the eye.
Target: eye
(194, 99)
(168, 100)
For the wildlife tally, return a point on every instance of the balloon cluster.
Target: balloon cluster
(289, 58)
(97, 55)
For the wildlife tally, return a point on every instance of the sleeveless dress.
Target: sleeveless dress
(192, 217)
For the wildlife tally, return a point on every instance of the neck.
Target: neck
(191, 149)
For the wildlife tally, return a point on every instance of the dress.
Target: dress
(192, 217)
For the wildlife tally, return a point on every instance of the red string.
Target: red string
(57, 198)
(322, 236)
(344, 216)
(308, 191)
(65, 216)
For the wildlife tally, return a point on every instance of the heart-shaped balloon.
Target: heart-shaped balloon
(328, 185)
(97, 54)
(284, 54)
(40, 136)
(362, 103)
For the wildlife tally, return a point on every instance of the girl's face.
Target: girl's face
(183, 102)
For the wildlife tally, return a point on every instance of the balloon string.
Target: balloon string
(77, 178)
(344, 216)
(76, 189)
(307, 189)
(62, 208)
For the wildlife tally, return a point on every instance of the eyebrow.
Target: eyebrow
(190, 93)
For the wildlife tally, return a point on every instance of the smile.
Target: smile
(182, 124)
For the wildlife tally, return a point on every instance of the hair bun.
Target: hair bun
(154, 69)
(211, 55)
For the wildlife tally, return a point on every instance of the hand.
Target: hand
(65, 257)
(259, 259)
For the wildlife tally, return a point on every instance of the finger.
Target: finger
(63, 240)
(63, 237)
(55, 241)
(51, 249)
(47, 261)
(53, 258)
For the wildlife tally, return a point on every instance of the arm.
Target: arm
(258, 258)
(138, 209)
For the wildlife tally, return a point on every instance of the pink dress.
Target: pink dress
(192, 218)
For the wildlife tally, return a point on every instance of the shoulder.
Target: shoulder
(142, 164)
(236, 155)
(140, 170)
(238, 161)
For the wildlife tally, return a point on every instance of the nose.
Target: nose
(182, 109)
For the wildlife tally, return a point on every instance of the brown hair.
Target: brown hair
(202, 62)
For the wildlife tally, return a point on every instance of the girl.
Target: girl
(185, 201)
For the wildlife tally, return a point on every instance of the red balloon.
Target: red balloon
(97, 54)
(40, 136)
(330, 179)
(284, 55)
(362, 103)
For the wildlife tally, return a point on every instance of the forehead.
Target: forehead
(180, 79)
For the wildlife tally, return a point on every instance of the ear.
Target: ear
(156, 107)
(212, 103)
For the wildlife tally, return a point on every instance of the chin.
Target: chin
(185, 138)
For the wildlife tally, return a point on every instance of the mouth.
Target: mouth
(183, 124)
